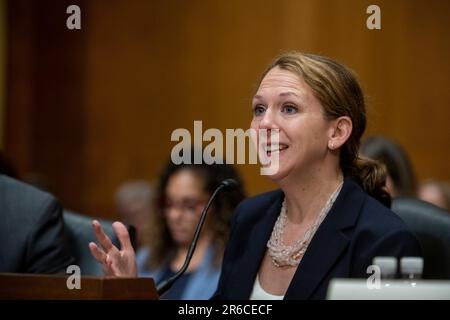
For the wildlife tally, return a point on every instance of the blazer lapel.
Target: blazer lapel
(327, 244)
(248, 267)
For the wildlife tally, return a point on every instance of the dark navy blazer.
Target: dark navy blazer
(356, 229)
(32, 233)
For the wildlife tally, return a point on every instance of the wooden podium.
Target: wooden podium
(54, 287)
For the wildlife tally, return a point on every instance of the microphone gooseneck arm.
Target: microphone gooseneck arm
(227, 184)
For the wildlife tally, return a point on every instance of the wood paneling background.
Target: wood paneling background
(92, 108)
(3, 15)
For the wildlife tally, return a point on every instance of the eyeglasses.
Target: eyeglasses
(189, 206)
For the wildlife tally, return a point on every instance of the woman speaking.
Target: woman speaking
(330, 217)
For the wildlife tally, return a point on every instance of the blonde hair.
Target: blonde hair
(340, 94)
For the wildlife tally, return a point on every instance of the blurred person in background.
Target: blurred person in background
(32, 234)
(435, 192)
(134, 203)
(182, 193)
(400, 180)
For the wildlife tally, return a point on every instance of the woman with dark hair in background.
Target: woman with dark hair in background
(183, 192)
(181, 195)
(400, 180)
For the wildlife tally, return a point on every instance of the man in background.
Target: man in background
(32, 237)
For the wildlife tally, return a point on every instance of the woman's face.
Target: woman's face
(185, 199)
(285, 102)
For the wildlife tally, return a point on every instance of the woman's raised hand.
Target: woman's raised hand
(115, 262)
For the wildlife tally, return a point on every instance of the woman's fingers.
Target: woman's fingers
(123, 236)
(114, 262)
(98, 253)
(101, 236)
(104, 259)
(108, 269)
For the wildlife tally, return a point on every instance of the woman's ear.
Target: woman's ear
(341, 130)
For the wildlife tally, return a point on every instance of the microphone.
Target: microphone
(229, 184)
(225, 185)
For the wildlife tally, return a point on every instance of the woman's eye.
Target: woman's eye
(258, 110)
(191, 208)
(289, 109)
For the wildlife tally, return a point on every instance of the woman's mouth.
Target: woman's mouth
(269, 149)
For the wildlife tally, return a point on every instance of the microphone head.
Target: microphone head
(229, 184)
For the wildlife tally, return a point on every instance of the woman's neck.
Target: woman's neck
(307, 194)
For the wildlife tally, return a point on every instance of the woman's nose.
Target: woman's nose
(174, 213)
(268, 120)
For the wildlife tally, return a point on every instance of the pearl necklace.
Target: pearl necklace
(283, 255)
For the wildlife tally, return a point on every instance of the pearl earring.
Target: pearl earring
(331, 145)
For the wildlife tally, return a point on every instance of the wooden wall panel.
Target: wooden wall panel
(45, 116)
(3, 47)
(105, 99)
